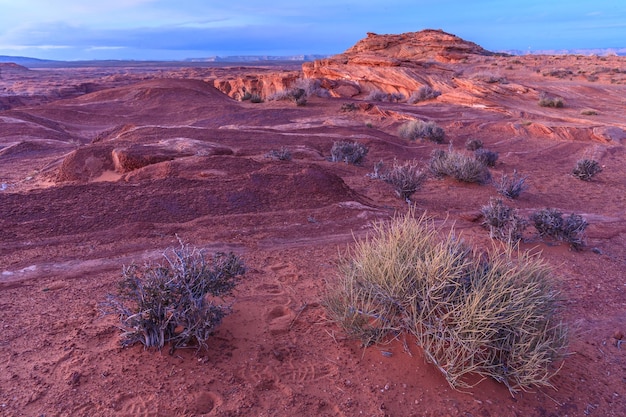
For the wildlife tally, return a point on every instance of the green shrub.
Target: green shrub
(175, 302)
(493, 315)
(459, 166)
(348, 152)
(418, 129)
(551, 223)
(511, 187)
(586, 169)
(503, 222)
(406, 179)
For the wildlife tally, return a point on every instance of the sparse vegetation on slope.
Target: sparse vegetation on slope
(586, 169)
(503, 222)
(348, 152)
(459, 166)
(551, 223)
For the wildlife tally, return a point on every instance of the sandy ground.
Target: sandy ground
(72, 216)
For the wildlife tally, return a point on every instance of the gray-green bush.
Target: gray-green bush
(418, 129)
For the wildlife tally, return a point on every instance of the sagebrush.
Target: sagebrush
(503, 222)
(586, 169)
(550, 222)
(511, 186)
(405, 178)
(492, 314)
(179, 301)
(424, 93)
(348, 152)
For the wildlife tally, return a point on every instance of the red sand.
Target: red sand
(191, 163)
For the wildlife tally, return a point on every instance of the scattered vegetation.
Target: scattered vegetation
(589, 112)
(486, 157)
(511, 187)
(396, 97)
(503, 222)
(459, 166)
(473, 144)
(418, 129)
(549, 101)
(492, 315)
(255, 98)
(282, 154)
(489, 78)
(175, 302)
(296, 95)
(377, 95)
(424, 93)
(348, 152)
(551, 223)
(586, 169)
(406, 179)
(347, 107)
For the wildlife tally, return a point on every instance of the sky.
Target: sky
(180, 29)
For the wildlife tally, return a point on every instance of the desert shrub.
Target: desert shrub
(548, 101)
(551, 223)
(493, 315)
(489, 78)
(424, 93)
(503, 222)
(589, 112)
(511, 187)
(396, 97)
(348, 152)
(311, 87)
(486, 157)
(418, 129)
(405, 179)
(586, 169)
(473, 144)
(246, 96)
(346, 107)
(282, 154)
(459, 166)
(296, 95)
(256, 98)
(377, 95)
(177, 301)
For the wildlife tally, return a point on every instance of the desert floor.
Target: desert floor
(69, 221)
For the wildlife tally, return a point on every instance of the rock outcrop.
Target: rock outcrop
(393, 63)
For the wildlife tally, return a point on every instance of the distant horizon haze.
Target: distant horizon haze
(163, 30)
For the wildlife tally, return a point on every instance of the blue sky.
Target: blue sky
(178, 29)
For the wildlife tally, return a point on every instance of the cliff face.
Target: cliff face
(394, 63)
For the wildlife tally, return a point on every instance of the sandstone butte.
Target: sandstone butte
(106, 164)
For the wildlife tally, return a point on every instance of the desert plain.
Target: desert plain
(107, 164)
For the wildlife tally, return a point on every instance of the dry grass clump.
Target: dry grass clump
(548, 101)
(492, 315)
(176, 302)
(503, 221)
(406, 179)
(348, 152)
(550, 222)
(296, 95)
(511, 187)
(418, 129)
(423, 93)
(459, 166)
(586, 169)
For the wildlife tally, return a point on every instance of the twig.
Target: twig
(305, 305)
